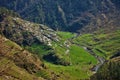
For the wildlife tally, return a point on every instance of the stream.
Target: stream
(100, 59)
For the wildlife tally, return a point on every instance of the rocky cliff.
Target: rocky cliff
(25, 32)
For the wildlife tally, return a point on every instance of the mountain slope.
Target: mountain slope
(109, 71)
(63, 53)
(93, 14)
(25, 32)
(104, 44)
(60, 54)
(17, 63)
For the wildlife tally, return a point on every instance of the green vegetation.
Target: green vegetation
(11, 44)
(77, 62)
(60, 17)
(109, 71)
(73, 72)
(13, 71)
(39, 49)
(44, 74)
(81, 61)
(79, 56)
(12, 58)
(69, 58)
(65, 35)
(104, 44)
(6, 12)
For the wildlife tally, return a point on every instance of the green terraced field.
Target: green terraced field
(80, 60)
(102, 44)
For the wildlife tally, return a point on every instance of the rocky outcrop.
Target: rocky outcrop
(26, 33)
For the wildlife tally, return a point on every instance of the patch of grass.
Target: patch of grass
(8, 68)
(38, 49)
(65, 35)
(12, 47)
(12, 44)
(43, 73)
(74, 72)
(79, 56)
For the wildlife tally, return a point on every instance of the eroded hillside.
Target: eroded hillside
(17, 63)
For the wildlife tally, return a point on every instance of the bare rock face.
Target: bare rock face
(26, 33)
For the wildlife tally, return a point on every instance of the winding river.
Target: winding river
(100, 59)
